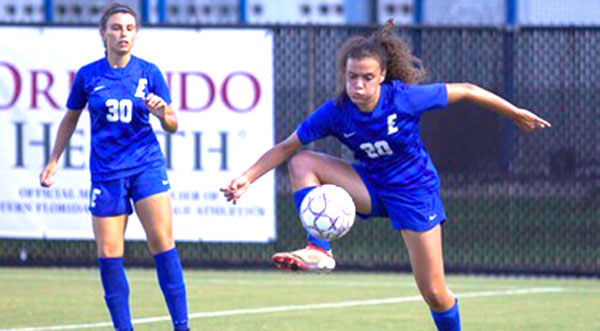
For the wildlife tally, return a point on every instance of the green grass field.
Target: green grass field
(61, 299)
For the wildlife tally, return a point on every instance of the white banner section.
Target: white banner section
(221, 83)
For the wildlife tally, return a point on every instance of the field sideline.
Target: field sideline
(71, 299)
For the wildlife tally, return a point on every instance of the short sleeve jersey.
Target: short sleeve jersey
(386, 141)
(122, 141)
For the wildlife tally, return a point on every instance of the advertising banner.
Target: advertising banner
(221, 83)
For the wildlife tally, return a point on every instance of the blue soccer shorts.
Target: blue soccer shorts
(113, 197)
(418, 210)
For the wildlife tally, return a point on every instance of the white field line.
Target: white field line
(254, 282)
(264, 310)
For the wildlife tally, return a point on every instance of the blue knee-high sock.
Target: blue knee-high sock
(170, 278)
(116, 291)
(448, 320)
(298, 197)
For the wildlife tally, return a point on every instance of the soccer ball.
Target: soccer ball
(327, 212)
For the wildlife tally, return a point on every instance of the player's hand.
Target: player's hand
(47, 175)
(528, 121)
(236, 188)
(156, 105)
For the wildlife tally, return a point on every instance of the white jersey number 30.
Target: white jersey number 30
(119, 110)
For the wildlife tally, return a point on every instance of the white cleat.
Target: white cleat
(309, 258)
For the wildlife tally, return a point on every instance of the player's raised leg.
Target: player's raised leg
(109, 233)
(308, 170)
(426, 259)
(155, 214)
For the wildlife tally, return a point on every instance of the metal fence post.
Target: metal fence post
(508, 131)
(243, 18)
(162, 11)
(49, 11)
(145, 11)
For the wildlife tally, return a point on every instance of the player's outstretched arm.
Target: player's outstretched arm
(268, 161)
(523, 118)
(65, 131)
(159, 108)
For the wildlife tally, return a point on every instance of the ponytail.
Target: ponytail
(389, 49)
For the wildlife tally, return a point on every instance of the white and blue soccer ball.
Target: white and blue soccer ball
(327, 212)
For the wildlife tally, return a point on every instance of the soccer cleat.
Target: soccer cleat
(309, 258)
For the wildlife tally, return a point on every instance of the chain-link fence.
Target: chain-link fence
(516, 202)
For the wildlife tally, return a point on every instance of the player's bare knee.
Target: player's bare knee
(436, 298)
(110, 250)
(160, 244)
(300, 164)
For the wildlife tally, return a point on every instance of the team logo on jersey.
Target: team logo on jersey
(139, 93)
(95, 193)
(391, 121)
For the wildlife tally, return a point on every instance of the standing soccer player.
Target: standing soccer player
(376, 114)
(126, 162)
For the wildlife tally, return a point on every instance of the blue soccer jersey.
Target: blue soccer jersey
(385, 141)
(123, 141)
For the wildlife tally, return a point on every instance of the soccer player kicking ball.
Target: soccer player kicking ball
(376, 114)
(126, 162)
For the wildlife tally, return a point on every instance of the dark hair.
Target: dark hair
(388, 48)
(114, 8)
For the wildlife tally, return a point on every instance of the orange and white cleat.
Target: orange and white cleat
(309, 258)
